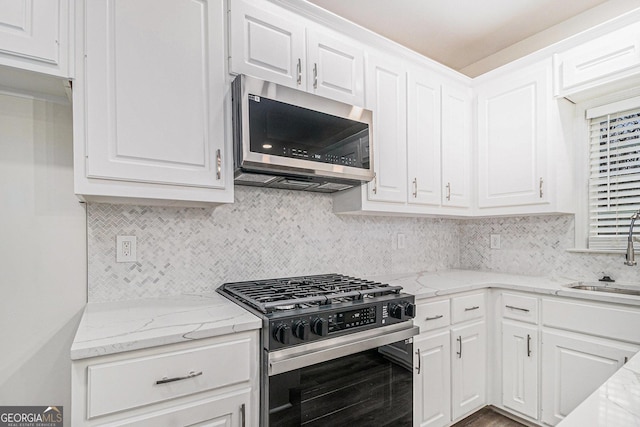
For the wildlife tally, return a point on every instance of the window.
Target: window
(614, 172)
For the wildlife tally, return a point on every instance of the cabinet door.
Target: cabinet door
(520, 368)
(607, 58)
(386, 97)
(574, 366)
(266, 45)
(220, 411)
(155, 98)
(34, 30)
(432, 381)
(456, 146)
(423, 138)
(468, 368)
(512, 126)
(335, 69)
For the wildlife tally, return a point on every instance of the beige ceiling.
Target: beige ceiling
(463, 34)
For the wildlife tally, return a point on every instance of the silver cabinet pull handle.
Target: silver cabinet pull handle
(439, 316)
(191, 374)
(528, 345)
(541, 192)
(626, 359)
(419, 361)
(459, 353)
(218, 165)
(315, 76)
(415, 188)
(475, 307)
(526, 310)
(243, 416)
(375, 183)
(299, 72)
(448, 191)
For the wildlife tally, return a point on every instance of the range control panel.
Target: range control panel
(288, 331)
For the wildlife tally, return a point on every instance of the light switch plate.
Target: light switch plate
(495, 241)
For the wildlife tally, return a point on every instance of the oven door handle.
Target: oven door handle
(294, 358)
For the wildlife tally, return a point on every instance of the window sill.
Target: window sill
(599, 251)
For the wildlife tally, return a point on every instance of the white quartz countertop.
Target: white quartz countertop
(614, 403)
(431, 284)
(119, 326)
(114, 327)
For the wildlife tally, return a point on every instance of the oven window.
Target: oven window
(364, 389)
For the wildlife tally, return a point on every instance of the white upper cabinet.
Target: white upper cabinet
(423, 138)
(335, 69)
(267, 45)
(422, 142)
(456, 145)
(604, 62)
(522, 153)
(512, 140)
(387, 98)
(34, 35)
(150, 106)
(268, 42)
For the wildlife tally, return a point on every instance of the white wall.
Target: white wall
(42, 253)
(579, 23)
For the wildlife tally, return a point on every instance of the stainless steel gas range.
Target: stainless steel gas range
(336, 350)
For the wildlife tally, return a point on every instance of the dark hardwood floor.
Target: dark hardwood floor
(487, 417)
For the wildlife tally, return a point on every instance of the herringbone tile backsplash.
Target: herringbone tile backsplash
(265, 233)
(536, 245)
(274, 233)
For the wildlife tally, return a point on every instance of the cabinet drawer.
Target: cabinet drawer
(595, 319)
(131, 383)
(432, 315)
(519, 307)
(467, 307)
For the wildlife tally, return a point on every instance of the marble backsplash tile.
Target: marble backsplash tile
(275, 233)
(536, 245)
(265, 233)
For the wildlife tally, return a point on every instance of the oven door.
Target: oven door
(361, 379)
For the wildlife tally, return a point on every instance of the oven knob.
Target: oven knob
(320, 326)
(301, 329)
(410, 310)
(281, 334)
(396, 311)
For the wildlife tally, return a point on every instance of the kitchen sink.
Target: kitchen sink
(602, 287)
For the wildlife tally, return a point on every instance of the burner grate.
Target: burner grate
(305, 291)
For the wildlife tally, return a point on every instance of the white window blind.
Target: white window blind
(614, 176)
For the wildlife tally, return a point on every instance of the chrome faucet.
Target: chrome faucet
(630, 255)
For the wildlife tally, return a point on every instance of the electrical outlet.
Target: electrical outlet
(126, 249)
(401, 241)
(495, 241)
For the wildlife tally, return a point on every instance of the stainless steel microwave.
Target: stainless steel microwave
(286, 138)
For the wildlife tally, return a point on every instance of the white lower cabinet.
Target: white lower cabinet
(520, 368)
(432, 381)
(468, 368)
(218, 411)
(450, 364)
(573, 366)
(547, 354)
(208, 382)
